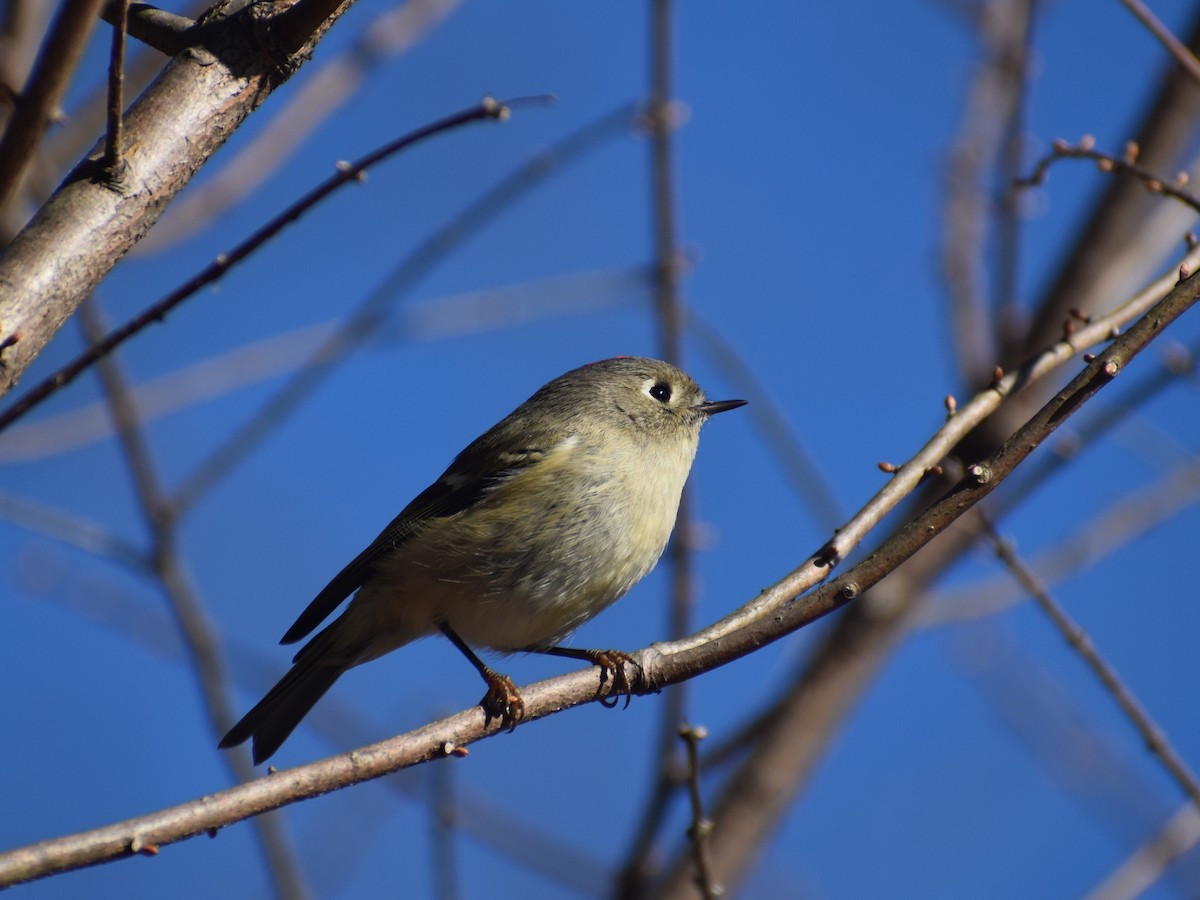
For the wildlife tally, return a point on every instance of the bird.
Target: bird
(542, 522)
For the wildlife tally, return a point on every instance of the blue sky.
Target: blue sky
(811, 186)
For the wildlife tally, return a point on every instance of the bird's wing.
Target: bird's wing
(475, 472)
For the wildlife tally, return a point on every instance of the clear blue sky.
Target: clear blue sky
(811, 186)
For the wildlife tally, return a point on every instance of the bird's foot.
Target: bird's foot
(502, 701)
(612, 664)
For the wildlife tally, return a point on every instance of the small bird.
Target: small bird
(541, 523)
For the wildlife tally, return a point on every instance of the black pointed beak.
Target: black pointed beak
(712, 407)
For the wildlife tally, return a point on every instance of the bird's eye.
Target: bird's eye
(661, 392)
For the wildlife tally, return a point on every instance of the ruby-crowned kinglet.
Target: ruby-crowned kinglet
(541, 523)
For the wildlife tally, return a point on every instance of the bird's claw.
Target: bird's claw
(502, 701)
(612, 663)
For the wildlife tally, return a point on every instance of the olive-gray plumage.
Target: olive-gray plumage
(542, 522)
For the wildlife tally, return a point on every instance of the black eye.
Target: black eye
(661, 391)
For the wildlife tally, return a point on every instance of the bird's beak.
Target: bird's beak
(712, 407)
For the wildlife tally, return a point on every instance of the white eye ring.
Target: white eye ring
(660, 391)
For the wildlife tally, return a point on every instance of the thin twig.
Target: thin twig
(1162, 33)
(1155, 739)
(701, 826)
(346, 174)
(113, 161)
(1106, 162)
(337, 80)
(338, 723)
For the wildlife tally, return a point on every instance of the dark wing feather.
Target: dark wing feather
(473, 473)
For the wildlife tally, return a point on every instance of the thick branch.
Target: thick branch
(203, 95)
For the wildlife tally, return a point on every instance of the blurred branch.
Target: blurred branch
(346, 173)
(441, 318)
(1178, 50)
(371, 312)
(324, 92)
(441, 838)
(701, 826)
(37, 104)
(1128, 519)
(1155, 739)
(662, 664)
(1148, 862)
(73, 530)
(157, 28)
(199, 636)
(798, 467)
(660, 118)
(1093, 765)
(994, 102)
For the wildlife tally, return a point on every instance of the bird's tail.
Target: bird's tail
(276, 716)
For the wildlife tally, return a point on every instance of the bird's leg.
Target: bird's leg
(611, 662)
(501, 700)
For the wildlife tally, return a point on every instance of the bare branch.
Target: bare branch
(40, 97)
(202, 96)
(346, 174)
(320, 95)
(198, 634)
(701, 826)
(1175, 47)
(1148, 862)
(157, 28)
(757, 794)
(112, 162)
(1155, 739)
(995, 99)
(1106, 162)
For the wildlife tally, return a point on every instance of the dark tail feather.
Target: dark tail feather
(277, 714)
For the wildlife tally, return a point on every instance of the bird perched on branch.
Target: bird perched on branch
(542, 522)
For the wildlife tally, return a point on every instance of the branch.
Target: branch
(662, 664)
(305, 109)
(39, 100)
(154, 27)
(1156, 741)
(200, 99)
(183, 601)
(1162, 34)
(346, 174)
